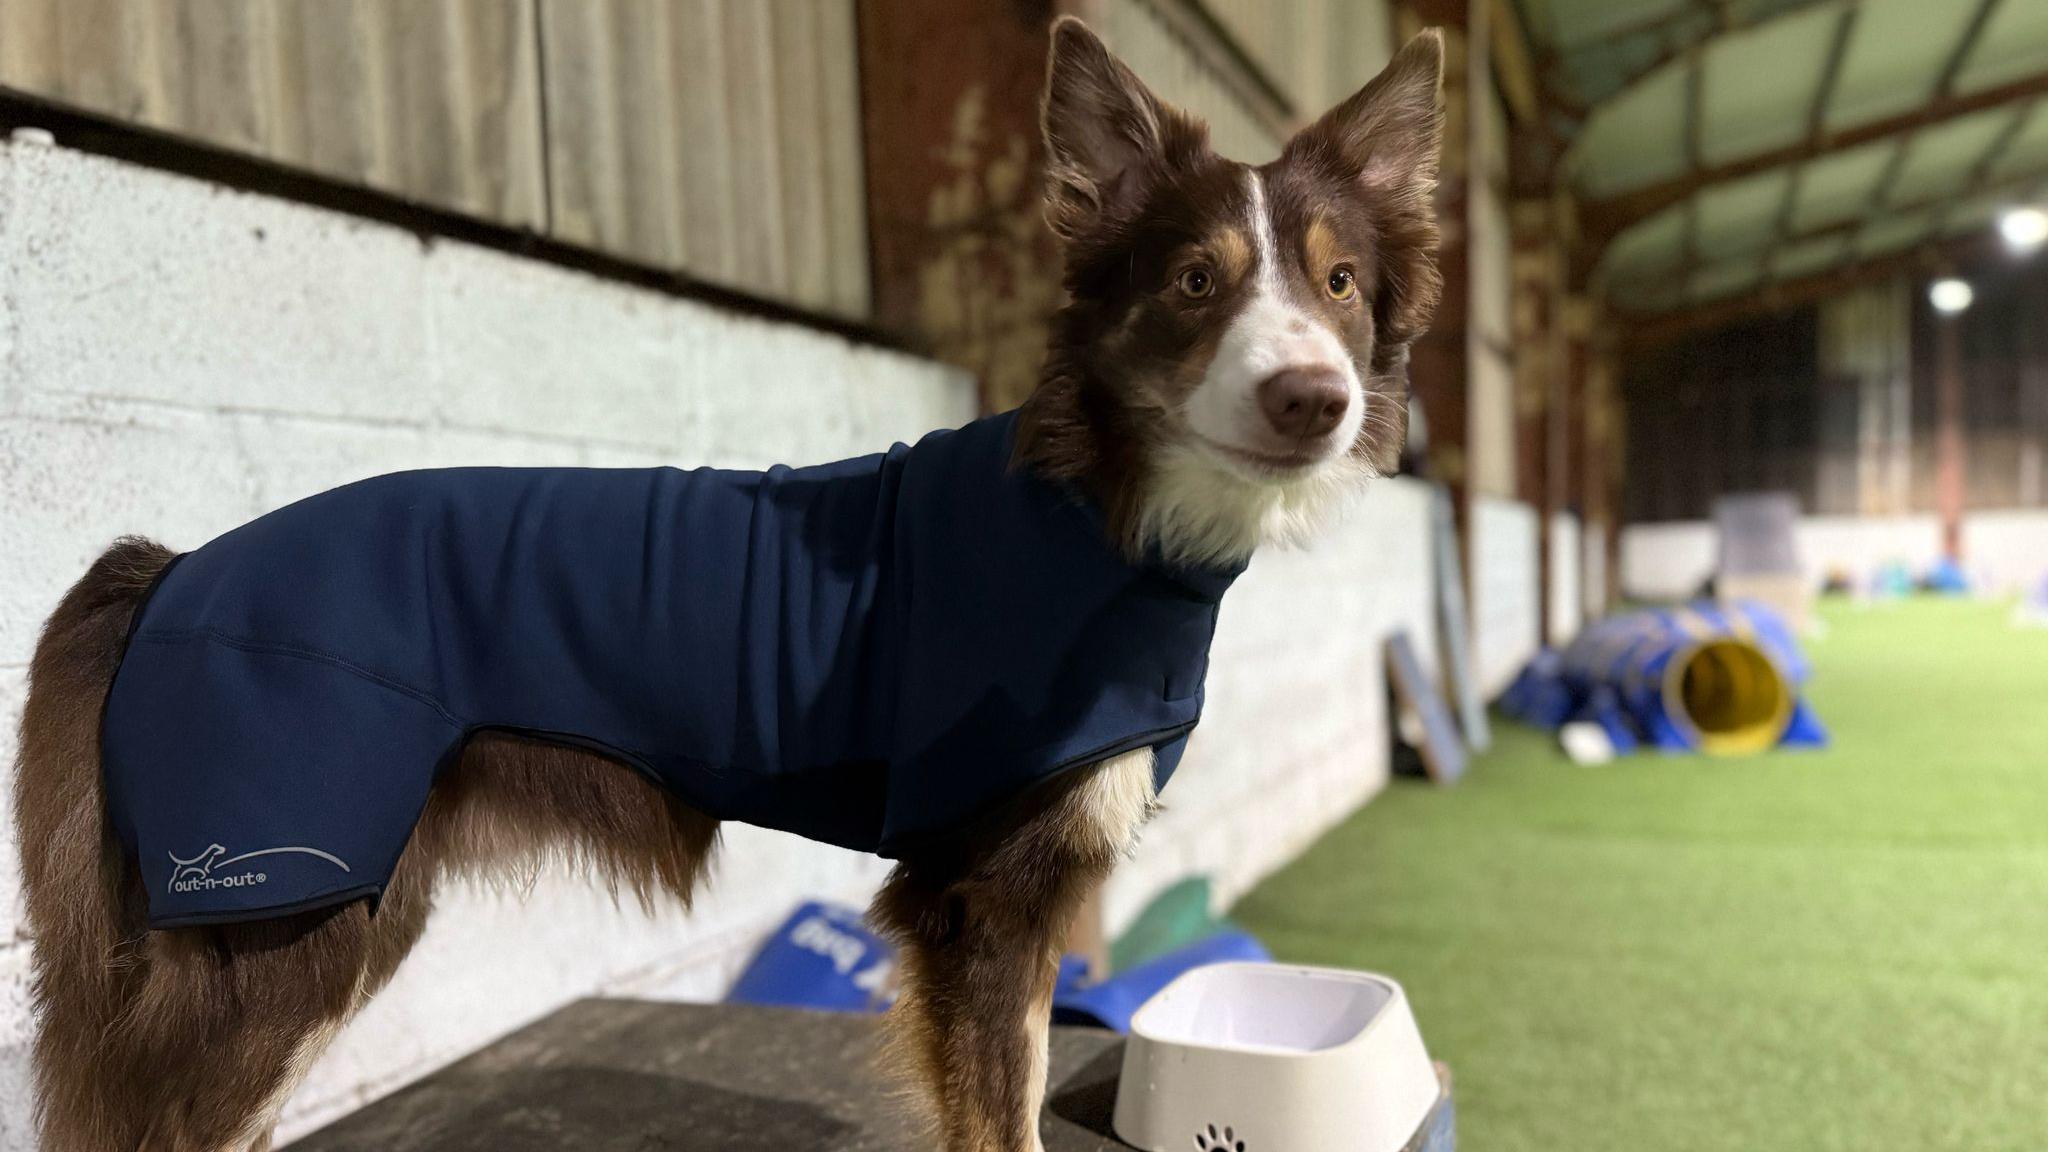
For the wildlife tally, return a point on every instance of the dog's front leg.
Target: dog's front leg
(980, 932)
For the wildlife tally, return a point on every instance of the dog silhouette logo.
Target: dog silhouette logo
(197, 873)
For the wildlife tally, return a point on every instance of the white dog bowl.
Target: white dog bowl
(1274, 1058)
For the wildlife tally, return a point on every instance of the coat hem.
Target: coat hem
(269, 911)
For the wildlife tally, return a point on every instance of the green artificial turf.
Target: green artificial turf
(1844, 949)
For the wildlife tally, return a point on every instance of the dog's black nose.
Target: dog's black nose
(1303, 403)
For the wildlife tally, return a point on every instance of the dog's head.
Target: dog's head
(1233, 354)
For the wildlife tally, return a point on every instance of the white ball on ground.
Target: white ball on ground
(1586, 743)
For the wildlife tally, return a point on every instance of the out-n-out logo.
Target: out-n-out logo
(197, 874)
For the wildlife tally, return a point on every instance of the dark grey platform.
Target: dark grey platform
(636, 1076)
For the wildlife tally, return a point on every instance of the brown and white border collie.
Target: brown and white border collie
(1230, 365)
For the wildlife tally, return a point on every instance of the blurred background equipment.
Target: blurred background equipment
(1424, 722)
(1719, 678)
(1454, 618)
(2033, 610)
(1760, 554)
(823, 957)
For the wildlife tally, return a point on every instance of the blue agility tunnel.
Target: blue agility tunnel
(1723, 679)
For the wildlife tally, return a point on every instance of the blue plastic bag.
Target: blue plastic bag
(822, 957)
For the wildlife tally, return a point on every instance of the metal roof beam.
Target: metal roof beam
(1979, 181)
(1722, 14)
(1816, 127)
(1831, 74)
(1606, 218)
(1945, 84)
(1724, 20)
(1944, 88)
(1881, 190)
(1646, 331)
(1689, 244)
(2029, 182)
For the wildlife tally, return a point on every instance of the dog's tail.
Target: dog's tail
(85, 904)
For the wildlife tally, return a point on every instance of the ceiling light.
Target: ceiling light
(1950, 295)
(2024, 229)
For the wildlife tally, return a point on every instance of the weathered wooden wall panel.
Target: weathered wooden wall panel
(720, 137)
(1303, 55)
(1272, 33)
(1158, 48)
(610, 127)
(697, 43)
(756, 176)
(845, 166)
(436, 102)
(800, 146)
(716, 137)
(964, 264)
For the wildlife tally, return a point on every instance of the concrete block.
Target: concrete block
(73, 485)
(17, 1101)
(1668, 561)
(856, 402)
(13, 688)
(1565, 598)
(526, 348)
(10, 380)
(131, 283)
(1507, 606)
(2007, 550)
(290, 458)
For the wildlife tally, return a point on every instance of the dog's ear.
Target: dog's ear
(1104, 131)
(1389, 137)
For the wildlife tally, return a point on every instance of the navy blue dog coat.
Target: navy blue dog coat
(868, 653)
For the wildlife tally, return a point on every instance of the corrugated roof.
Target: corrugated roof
(1724, 145)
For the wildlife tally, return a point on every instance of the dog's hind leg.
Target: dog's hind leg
(980, 931)
(226, 1021)
(509, 804)
(180, 1039)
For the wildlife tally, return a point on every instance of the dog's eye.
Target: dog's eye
(1343, 282)
(1196, 283)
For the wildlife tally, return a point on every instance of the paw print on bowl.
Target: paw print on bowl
(1213, 1140)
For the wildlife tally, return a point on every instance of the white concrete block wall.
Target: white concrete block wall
(1667, 561)
(1593, 571)
(14, 1014)
(2007, 551)
(1673, 559)
(1507, 601)
(177, 358)
(1859, 546)
(1565, 599)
